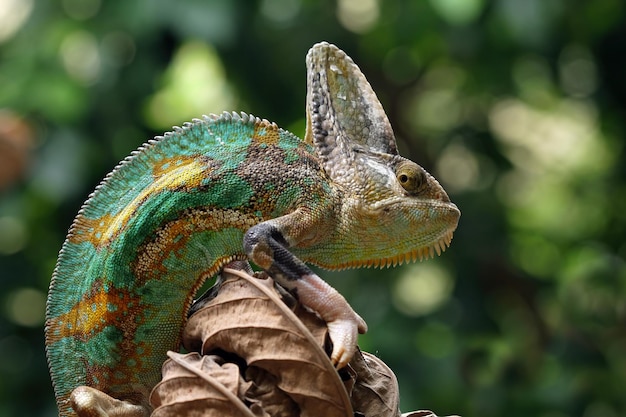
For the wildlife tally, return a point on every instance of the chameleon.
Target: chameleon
(220, 190)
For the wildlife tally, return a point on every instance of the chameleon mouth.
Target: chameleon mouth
(417, 254)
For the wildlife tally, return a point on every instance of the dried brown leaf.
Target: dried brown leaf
(264, 395)
(264, 356)
(375, 391)
(248, 319)
(195, 385)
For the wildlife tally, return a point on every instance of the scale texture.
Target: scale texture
(227, 188)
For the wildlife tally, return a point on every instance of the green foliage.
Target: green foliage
(517, 106)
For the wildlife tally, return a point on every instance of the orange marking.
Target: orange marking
(100, 308)
(128, 378)
(89, 230)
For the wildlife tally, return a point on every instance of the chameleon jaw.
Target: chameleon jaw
(435, 220)
(414, 255)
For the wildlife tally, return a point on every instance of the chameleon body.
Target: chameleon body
(229, 188)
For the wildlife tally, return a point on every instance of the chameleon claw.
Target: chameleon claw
(343, 323)
(344, 333)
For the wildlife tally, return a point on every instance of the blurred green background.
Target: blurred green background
(517, 106)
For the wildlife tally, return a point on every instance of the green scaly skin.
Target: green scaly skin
(225, 188)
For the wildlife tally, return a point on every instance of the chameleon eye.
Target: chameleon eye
(410, 176)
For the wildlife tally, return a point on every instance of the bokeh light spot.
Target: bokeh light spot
(458, 12)
(13, 15)
(13, 235)
(81, 57)
(422, 289)
(26, 307)
(194, 84)
(358, 16)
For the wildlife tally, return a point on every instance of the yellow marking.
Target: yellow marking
(88, 317)
(169, 165)
(267, 134)
(170, 174)
(187, 175)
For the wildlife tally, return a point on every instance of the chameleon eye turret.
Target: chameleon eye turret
(411, 177)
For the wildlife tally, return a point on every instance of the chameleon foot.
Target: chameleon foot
(90, 402)
(343, 333)
(343, 323)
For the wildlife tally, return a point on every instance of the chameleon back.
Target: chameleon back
(167, 218)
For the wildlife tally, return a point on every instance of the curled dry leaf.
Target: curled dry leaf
(375, 391)
(265, 398)
(192, 383)
(264, 356)
(277, 348)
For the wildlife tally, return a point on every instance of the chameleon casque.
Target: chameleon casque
(229, 188)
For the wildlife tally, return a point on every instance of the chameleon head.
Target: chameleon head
(397, 212)
(393, 211)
